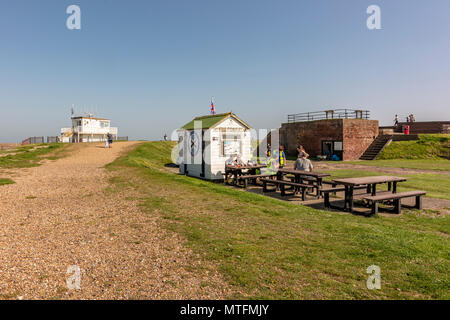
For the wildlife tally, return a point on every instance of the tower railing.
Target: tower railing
(329, 114)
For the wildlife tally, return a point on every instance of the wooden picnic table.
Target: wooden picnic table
(237, 170)
(371, 182)
(300, 175)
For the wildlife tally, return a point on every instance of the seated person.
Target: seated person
(303, 164)
(230, 161)
(272, 165)
(238, 161)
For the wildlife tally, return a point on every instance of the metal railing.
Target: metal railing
(33, 140)
(53, 139)
(329, 114)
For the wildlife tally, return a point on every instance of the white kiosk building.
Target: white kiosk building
(88, 129)
(205, 143)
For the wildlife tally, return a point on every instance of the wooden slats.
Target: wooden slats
(392, 196)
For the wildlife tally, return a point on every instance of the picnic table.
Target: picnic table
(371, 182)
(236, 171)
(299, 176)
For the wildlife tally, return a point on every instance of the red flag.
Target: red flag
(213, 110)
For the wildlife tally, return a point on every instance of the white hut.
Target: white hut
(205, 143)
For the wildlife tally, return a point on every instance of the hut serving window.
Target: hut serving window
(231, 144)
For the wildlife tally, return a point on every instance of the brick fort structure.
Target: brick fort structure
(343, 132)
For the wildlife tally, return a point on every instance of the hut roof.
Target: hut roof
(213, 120)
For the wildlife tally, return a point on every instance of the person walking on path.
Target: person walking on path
(110, 140)
(396, 120)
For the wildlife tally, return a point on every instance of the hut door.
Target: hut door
(203, 155)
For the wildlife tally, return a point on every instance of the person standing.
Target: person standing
(302, 152)
(110, 140)
(282, 157)
(396, 120)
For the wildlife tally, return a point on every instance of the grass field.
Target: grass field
(30, 155)
(4, 181)
(266, 248)
(429, 146)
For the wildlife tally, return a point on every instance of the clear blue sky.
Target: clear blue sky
(153, 65)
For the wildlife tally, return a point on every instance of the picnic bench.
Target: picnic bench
(282, 184)
(314, 179)
(239, 175)
(350, 184)
(325, 192)
(253, 177)
(396, 197)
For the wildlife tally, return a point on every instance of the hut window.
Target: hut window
(231, 145)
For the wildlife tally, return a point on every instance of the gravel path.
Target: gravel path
(59, 215)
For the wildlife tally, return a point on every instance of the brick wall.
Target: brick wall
(310, 135)
(356, 135)
(426, 127)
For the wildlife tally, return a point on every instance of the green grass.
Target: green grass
(266, 248)
(4, 181)
(436, 185)
(31, 155)
(429, 146)
(421, 164)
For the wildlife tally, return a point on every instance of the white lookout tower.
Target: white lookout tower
(88, 128)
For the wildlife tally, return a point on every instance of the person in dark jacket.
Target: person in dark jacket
(110, 140)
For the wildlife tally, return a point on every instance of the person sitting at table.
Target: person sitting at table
(303, 164)
(272, 165)
(230, 161)
(238, 161)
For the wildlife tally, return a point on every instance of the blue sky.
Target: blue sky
(153, 65)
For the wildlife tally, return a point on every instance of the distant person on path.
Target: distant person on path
(110, 140)
(303, 164)
(411, 118)
(396, 120)
(165, 137)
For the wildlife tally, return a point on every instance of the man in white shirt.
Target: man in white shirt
(303, 164)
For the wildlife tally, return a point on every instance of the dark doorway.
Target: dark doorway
(327, 149)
